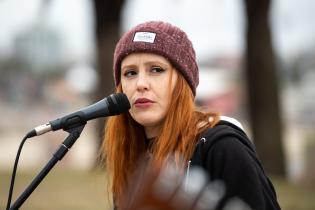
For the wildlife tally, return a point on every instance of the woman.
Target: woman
(155, 66)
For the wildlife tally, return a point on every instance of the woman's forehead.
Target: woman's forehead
(135, 58)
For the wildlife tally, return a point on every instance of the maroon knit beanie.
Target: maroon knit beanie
(162, 39)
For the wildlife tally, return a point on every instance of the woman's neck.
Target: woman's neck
(152, 131)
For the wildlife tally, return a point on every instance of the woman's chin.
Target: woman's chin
(145, 122)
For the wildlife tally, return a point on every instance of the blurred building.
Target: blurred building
(220, 85)
(39, 47)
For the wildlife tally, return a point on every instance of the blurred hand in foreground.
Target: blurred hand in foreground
(168, 189)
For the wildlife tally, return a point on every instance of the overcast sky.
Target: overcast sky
(214, 26)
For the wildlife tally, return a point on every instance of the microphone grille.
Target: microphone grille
(119, 103)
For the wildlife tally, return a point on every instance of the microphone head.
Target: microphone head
(118, 103)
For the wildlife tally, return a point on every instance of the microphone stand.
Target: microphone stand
(75, 133)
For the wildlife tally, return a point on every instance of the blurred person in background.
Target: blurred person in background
(155, 66)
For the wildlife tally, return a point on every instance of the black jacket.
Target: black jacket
(226, 154)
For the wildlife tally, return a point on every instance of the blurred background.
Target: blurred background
(256, 60)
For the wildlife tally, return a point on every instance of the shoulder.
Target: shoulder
(232, 121)
(226, 139)
(226, 129)
(225, 153)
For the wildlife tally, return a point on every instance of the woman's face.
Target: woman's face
(148, 81)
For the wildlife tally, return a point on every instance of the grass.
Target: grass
(66, 189)
(71, 190)
(294, 196)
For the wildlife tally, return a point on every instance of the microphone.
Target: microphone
(114, 104)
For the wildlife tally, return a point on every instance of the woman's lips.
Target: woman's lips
(143, 103)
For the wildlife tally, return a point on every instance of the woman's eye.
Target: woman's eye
(157, 69)
(130, 73)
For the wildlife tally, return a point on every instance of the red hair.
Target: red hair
(125, 142)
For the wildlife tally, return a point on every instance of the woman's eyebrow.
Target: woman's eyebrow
(147, 63)
(163, 64)
(123, 67)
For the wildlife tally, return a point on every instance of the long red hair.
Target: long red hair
(125, 142)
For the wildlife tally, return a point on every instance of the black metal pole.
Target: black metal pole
(58, 155)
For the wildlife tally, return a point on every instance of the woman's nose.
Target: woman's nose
(142, 82)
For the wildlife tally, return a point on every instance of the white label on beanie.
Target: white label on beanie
(144, 37)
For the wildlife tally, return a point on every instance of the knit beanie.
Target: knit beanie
(162, 39)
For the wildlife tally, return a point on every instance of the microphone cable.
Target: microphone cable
(30, 134)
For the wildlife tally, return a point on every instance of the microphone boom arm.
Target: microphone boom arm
(74, 134)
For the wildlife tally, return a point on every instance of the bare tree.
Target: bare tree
(263, 91)
(107, 22)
